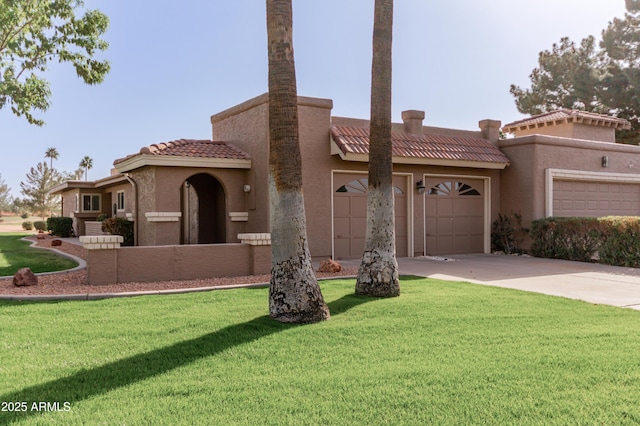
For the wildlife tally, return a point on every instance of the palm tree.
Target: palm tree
(378, 272)
(52, 154)
(294, 294)
(86, 164)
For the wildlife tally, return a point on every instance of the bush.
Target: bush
(569, 238)
(507, 233)
(40, 225)
(27, 226)
(60, 226)
(621, 245)
(24, 215)
(119, 226)
(102, 217)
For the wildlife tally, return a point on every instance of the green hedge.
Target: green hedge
(119, 226)
(612, 240)
(621, 245)
(60, 226)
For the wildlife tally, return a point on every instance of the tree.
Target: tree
(33, 33)
(621, 45)
(294, 293)
(604, 80)
(51, 154)
(86, 164)
(5, 196)
(35, 190)
(378, 272)
(568, 76)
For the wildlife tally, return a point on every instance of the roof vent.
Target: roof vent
(413, 121)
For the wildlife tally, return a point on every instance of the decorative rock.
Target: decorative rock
(40, 235)
(329, 265)
(56, 243)
(24, 277)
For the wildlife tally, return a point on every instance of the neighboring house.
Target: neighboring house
(449, 184)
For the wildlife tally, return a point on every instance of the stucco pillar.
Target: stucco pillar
(102, 258)
(490, 130)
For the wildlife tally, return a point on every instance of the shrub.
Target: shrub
(27, 226)
(569, 238)
(102, 217)
(507, 233)
(24, 215)
(60, 226)
(40, 225)
(621, 245)
(119, 226)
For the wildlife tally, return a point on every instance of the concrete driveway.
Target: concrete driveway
(593, 283)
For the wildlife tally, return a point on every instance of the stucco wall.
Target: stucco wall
(246, 126)
(573, 131)
(524, 180)
(162, 263)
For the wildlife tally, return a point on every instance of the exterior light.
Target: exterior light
(420, 187)
(605, 161)
(247, 189)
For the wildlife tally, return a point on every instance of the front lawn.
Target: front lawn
(16, 253)
(441, 353)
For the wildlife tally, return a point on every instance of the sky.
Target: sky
(174, 64)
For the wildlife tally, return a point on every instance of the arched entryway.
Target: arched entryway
(203, 210)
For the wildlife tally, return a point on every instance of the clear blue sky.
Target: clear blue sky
(174, 64)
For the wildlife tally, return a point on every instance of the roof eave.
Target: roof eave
(142, 160)
(364, 158)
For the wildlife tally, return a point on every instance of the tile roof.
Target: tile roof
(355, 140)
(192, 148)
(567, 116)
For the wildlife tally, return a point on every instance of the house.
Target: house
(449, 185)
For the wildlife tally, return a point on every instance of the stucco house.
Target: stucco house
(449, 185)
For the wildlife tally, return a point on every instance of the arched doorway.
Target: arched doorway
(203, 210)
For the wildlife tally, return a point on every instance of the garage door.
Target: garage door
(350, 215)
(595, 199)
(454, 215)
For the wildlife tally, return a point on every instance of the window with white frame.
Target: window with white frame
(120, 198)
(91, 203)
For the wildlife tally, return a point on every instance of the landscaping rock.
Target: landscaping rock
(24, 277)
(330, 265)
(41, 236)
(56, 243)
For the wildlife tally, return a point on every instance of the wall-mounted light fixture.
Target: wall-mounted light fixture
(420, 187)
(605, 161)
(247, 189)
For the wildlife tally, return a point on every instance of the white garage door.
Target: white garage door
(595, 199)
(454, 215)
(350, 215)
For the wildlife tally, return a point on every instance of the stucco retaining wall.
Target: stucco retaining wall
(176, 262)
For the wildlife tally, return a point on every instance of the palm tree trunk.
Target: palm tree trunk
(378, 272)
(294, 294)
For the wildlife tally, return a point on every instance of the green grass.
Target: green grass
(16, 254)
(441, 353)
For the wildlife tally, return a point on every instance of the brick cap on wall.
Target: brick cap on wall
(256, 239)
(101, 242)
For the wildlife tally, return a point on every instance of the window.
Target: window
(452, 188)
(91, 203)
(120, 197)
(361, 186)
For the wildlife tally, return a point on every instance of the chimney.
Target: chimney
(413, 121)
(490, 130)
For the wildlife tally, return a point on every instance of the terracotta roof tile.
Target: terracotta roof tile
(429, 146)
(192, 148)
(567, 116)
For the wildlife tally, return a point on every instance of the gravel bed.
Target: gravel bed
(76, 282)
